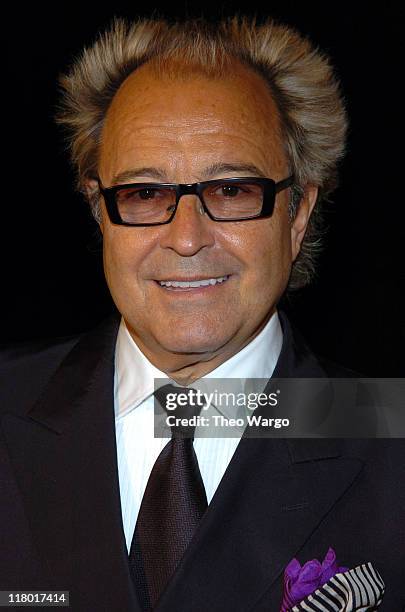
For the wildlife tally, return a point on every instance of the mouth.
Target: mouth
(193, 284)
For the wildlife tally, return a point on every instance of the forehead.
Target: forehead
(192, 112)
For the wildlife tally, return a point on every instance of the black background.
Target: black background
(53, 284)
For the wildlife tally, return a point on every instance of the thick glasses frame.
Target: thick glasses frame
(270, 189)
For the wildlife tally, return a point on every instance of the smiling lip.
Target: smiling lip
(189, 279)
(192, 283)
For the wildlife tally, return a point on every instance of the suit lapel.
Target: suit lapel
(64, 455)
(268, 504)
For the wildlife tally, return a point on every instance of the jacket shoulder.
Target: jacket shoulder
(26, 367)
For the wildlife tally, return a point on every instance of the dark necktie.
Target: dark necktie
(172, 506)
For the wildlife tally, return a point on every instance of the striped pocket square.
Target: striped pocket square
(357, 590)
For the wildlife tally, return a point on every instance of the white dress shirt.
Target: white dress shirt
(138, 449)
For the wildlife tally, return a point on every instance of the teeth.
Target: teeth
(200, 283)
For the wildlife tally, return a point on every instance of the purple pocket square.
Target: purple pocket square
(329, 587)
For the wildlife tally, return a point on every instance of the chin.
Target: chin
(180, 343)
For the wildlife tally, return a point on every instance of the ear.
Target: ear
(90, 187)
(300, 222)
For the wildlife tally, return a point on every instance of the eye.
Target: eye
(133, 194)
(230, 191)
(147, 194)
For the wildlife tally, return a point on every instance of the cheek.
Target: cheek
(114, 257)
(123, 253)
(269, 249)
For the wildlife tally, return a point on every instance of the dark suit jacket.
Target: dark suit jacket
(60, 514)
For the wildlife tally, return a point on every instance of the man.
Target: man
(205, 153)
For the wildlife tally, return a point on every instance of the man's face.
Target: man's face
(184, 131)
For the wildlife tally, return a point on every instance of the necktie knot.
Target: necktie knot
(184, 405)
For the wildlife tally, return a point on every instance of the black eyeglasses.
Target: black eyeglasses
(228, 199)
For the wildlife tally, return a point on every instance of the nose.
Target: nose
(190, 230)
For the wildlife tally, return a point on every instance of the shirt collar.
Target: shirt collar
(135, 374)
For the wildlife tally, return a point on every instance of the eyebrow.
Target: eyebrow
(241, 167)
(129, 175)
(211, 171)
